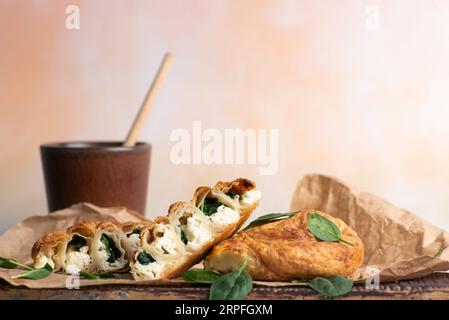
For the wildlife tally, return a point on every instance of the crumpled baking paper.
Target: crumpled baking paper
(398, 244)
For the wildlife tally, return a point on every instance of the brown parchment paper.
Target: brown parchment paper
(398, 244)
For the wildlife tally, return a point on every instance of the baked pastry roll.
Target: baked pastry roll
(179, 241)
(132, 232)
(66, 250)
(107, 250)
(77, 252)
(92, 246)
(286, 249)
(228, 204)
(161, 253)
(50, 249)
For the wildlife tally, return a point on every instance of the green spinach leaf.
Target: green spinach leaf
(12, 264)
(324, 229)
(201, 275)
(35, 274)
(78, 242)
(234, 195)
(332, 286)
(145, 258)
(183, 237)
(113, 252)
(96, 276)
(232, 286)
(209, 206)
(269, 218)
(7, 263)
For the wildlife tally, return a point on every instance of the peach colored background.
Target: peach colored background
(368, 106)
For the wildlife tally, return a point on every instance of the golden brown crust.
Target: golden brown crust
(103, 225)
(199, 195)
(239, 186)
(176, 206)
(50, 240)
(130, 226)
(286, 249)
(86, 229)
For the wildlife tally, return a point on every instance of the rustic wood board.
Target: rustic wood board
(435, 287)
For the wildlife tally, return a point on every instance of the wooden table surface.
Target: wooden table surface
(433, 287)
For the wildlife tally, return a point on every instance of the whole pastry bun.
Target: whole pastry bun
(286, 249)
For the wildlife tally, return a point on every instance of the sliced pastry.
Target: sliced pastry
(107, 250)
(286, 249)
(91, 246)
(162, 251)
(50, 249)
(132, 231)
(192, 228)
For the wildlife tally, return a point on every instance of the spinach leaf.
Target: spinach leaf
(209, 206)
(183, 237)
(12, 264)
(324, 229)
(78, 242)
(201, 275)
(7, 263)
(332, 286)
(113, 252)
(232, 286)
(269, 218)
(145, 258)
(234, 195)
(96, 276)
(35, 274)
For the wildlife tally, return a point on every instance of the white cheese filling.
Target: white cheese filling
(224, 217)
(77, 260)
(251, 196)
(42, 260)
(149, 271)
(134, 240)
(196, 232)
(166, 243)
(104, 256)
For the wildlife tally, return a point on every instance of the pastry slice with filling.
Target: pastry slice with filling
(107, 250)
(50, 249)
(91, 246)
(162, 251)
(132, 232)
(193, 228)
(227, 205)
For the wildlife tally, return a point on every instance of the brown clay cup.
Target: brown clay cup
(106, 174)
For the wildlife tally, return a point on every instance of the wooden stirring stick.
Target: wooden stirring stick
(141, 117)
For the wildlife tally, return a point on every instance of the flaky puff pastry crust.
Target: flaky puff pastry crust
(130, 226)
(51, 245)
(286, 249)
